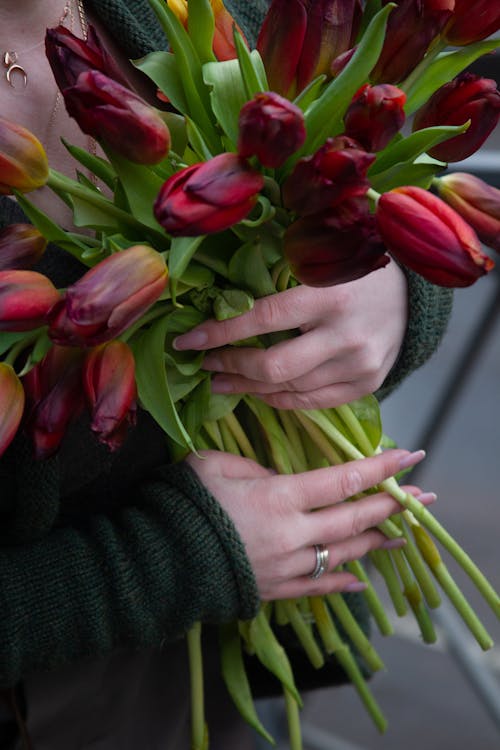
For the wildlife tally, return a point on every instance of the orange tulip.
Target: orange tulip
(23, 161)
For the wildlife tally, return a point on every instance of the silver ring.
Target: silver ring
(321, 561)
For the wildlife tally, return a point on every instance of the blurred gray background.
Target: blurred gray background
(445, 696)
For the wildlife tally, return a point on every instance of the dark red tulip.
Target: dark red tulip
(467, 97)
(472, 22)
(476, 202)
(54, 397)
(109, 298)
(271, 128)
(26, 298)
(411, 28)
(115, 115)
(110, 388)
(429, 237)
(299, 39)
(11, 405)
(208, 197)
(375, 115)
(335, 246)
(21, 246)
(336, 172)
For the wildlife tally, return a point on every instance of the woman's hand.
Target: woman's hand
(281, 517)
(350, 337)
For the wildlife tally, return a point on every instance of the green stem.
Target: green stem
(414, 598)
(372, 599)
(293, 436)
(383, 562)
(199, 736)
(304, 633)
(293, 721)
(420, 570)
(239, 436)
(356, 634)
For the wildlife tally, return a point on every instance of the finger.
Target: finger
(279, 364)
(226, 465)
(323, 487)
(280, 312)
(322, 398)
(305, 586)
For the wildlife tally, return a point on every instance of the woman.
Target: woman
(106, 560)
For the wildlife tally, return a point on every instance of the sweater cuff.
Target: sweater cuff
(429, 310)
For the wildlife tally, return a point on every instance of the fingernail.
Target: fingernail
(427, 497)
(191, 340)
(355, 586)
(212, 362)
(396, 543)
(411, 459)
(222, 385)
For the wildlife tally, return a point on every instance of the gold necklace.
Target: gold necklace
(10, 58)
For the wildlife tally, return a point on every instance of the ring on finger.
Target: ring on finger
(321, 565)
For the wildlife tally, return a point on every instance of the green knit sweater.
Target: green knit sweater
(101, 551)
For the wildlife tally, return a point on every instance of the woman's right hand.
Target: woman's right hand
(281, 517)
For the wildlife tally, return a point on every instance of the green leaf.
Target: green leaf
(419, 173)
(324, 117)
(235, 677)
(252, 68)
(194, 410)
(197, 141)
(161, 67)
(201, 30)
(408, 149)
(311, 92)
(230, 303)
(95, 164)
(248, 269)
(444, 69)
(152, 385)
(182, 250)
(9, 338)
(220, 405)
(227, 95)
(367, 412)
(181, 385)
(178, 134)
(271, 654)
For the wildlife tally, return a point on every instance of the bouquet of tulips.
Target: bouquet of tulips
(290, 163)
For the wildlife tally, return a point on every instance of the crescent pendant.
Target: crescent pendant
(15, 68)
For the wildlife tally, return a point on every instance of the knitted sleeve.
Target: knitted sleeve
(135, 577)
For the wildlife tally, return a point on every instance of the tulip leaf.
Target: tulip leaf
(9, 338)
(311, 92)
(181, 385)
(95, 164)
(252, 68)
(443, 69)
(152, 384)
(419, 173)
(181, 320)
(408, 149)
(181, 251)
(177, 127)
(194, 410)
(324, 116)
(367, 412)
(197, 141)
(249, 270)
(227, 95)
(162, 69)
(201, 32)
(230, 303)
(235, 677)
(220, 405)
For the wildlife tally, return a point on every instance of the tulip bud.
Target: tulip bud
(467, 97)
(472, 23)
(223, 42)
(429, 237)
(68, 56)
(54, 397)
(411, 28)
(476, 202)
(299, 39)
(375, 115)
(208, 197)
(335, 246)
(271, 128)
(11, 405)
(109, 384)
(26, 297)
(21, 246)
(336, 172)
(112, 113)
(109, 298)
(23, 161)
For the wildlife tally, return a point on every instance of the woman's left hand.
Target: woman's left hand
(350, 337)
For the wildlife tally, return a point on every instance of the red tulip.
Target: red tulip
(26, 297)
(110, 388)
(335, 246)
(23, 161)
(299, 39)
(375, 115)
(428, 236)
(223, 44)
(336, 171)
(476, 202)
(21, 246)
(467, 97)
(411, 28)
(118, 117)
(208, 197)
(271, 128)
(471, 23)
(109, 298)
(54, 396)
(11, 405)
